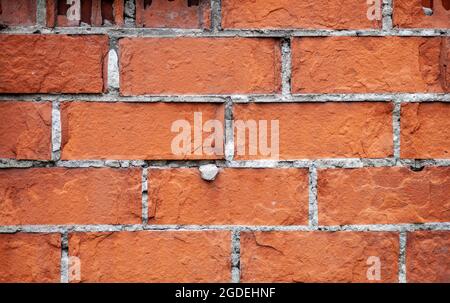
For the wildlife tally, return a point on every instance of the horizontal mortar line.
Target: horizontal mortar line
(303, 163)
(271, 33)
(444, 226)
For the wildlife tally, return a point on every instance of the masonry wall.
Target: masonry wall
(90, 189)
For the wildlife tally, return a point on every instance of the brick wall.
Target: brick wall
(91, 190)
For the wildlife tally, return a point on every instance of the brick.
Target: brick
(30, 258)
(317, 256)
(387, 195)
(370, 65)
(428, 257)
(321, 130)
(153, 256)
(52, 63)
(70, 196)
(173, 14)
(237, 196)
(425, 130)
(282, 14)
(199, 65)
(132, 130)
(410, 14)
(18, 12)
(25, 130)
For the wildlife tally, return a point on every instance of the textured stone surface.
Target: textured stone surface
(425, 130)
(237, 196)
(428, 257)
(410, 14)
(388, 195)
(30, 258)
(70, 196)
(199, 65)
(324, 130)
(153, 256)
(317, 256)
(175, 14)
(130, 131)
(18, 12)
(52, 63)
(336, 14)
(25, 130)
(369, 64)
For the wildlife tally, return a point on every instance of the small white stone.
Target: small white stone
(427, 11)
(209, 172)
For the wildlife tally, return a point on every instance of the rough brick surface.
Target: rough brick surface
(17, 12)
(25, 130)
(410, 14)
(199, 66)
(153, 256)
(130, 131)
(323, 130)
(317, 256)
(337, 14)
(361, 65)
(30, 257)
(70, 196)
(52, 63)
(428, 256)
(237, 196)
(387, 195)
(425, 130)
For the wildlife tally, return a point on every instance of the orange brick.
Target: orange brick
(52, 63)
(410, 14)
(318, 256)
(199, 65)
(25, 130)
(153, 256)
(70, 196)
(237, 196)
(425, 130)
(132, 130)
(18, 12)
(30, 258)
(388, 195)
(369, 65)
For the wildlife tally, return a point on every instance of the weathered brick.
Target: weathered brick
(322, 130)
(131, 130)
(386, 195)
(70, 196)
(153, 256)
(410, 14)
(425, 130)
(369, 64)
(237, 196)
(317, 256)
(30, 258)
(337, 14)
(25, 130)
(52, 63)
(428, 257)
(199, 65)
(17, 12)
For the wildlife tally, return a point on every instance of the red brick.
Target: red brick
(199, 66)
(281, 14)
(237, 196)
(388, 195)
(70, 196)
(30, 258)
(370, 65)
(428, 257)
(25, 130)
(322, 130)
(153, 256)
(425, 130)
(18, 12)
(130, 130)
(317, 256)
(410, 14)
(52, 63)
